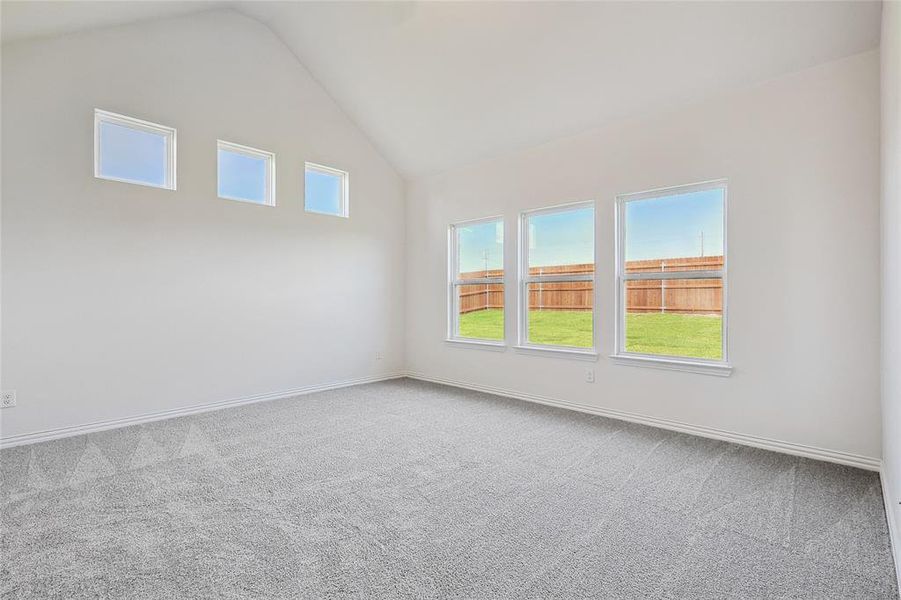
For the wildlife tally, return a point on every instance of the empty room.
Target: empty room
(463, 300)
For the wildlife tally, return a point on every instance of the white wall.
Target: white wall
(120, 300)
(802, 157)
(891, 264)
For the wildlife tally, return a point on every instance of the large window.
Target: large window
(671, 254)
(246, 174)
(476, 282)
(133, 151)
(326, 190)
(556, 295)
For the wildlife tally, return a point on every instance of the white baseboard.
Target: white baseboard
(834, 456)
(891, 508)
(53, 434)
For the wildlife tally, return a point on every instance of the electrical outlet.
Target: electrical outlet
(8, 399)
(589, 375)
(378, 356)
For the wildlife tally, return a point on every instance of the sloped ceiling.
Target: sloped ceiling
(26, 19)
(440, 84)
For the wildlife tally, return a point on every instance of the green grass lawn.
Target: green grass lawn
(694, 336)
(485, 324)
(560, 328)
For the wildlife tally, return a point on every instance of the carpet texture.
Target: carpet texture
(404, 489)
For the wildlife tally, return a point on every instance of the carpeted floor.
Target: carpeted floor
(404, 489)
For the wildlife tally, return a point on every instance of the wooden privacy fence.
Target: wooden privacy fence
(678, 296)
(481, 296)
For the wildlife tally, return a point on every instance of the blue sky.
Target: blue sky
(671, 226)
(131, 154)
(323, 192)
(563, 238)
(555, 239)
(481, 246)
(663, 227)
(242, 176)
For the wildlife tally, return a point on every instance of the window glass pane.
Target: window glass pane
(561, 242)
(132, 154)
(675, 317)
(242, 177)
(560, 313)
(324, 192)
(679, 232)
(480, 311)
(480, 250)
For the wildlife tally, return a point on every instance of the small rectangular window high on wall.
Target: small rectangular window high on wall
(326, 190)
(476, 281)
(246, 174)
(556, 283)
(671, 272)
(133, 151)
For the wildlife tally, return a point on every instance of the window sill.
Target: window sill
(673, 364)
(165, 186)
(322, 213)
(246, 201)
(558, 352)
(478, 344)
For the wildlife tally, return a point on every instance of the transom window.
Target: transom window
(133, 151)
(476, 282)
(671, 272)
(326, 190)
(556, 295)
(246, 174)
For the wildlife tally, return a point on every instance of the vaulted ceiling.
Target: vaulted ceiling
(441, 84)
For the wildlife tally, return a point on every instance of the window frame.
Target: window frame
(620, 355)
(169, 133)
(453, 280)
(345, 189)
(524, 278)
(269, 157)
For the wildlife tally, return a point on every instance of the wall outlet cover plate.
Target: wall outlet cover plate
(8, 399)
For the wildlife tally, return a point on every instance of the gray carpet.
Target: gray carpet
(404, 489)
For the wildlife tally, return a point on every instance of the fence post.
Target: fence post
(540, 290)
(485, 257)
(662, 288)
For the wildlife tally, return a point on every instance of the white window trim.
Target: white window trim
(557, 351)
(493, 345)
(105, 116)
(679, 363)
(523, 345)
(345, 189)
(453, 270)
(269, 157)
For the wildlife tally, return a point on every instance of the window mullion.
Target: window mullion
(557, 278)
(479, 281)
(655, 275)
